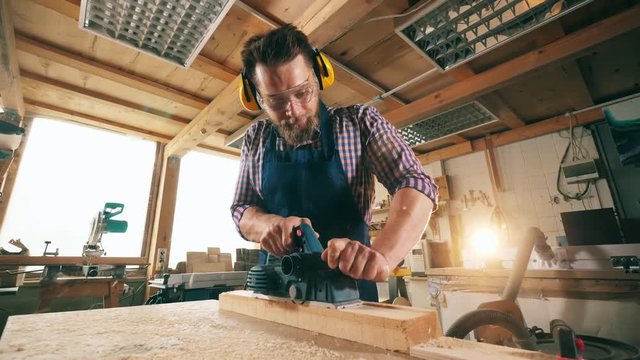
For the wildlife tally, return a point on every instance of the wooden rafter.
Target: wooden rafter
(332, 26)
(347, 76)
(569, 46)
(106, 99)
(540, 128)
(80, 63)
(220, 111)
(579, 96)
(10, 87)
(51, 111)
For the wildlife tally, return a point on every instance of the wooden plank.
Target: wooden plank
(22, 260)
(192, 329)
(544, 127)
(216, 115)
(390, 327)
(154, 196)
(494, 171)
(577, 92)
(9, 178)
(107, 72)
(496, 105)
(51, 111)
(446, 153)
(582, 274)
(153, 114)
(160, 244)
(548, 126)
(10, 87)
(569, 46)
(446, 348)
(343, 74)
(367, 34)
(333, 19)
(214, 69)
(457, 139)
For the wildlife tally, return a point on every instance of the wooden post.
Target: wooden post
(10, 88)
(153, 200)
(163, 222)
(8, 180)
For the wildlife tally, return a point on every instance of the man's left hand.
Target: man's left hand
(356, 260)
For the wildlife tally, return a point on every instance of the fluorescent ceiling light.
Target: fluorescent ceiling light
(173, 30)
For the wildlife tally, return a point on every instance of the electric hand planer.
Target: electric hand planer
(303, 276)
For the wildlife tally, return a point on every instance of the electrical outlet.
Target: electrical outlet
(160, 259)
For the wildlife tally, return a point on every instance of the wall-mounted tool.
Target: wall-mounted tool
(303, 276)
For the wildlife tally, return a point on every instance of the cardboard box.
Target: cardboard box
(213, 251)
(213, 258)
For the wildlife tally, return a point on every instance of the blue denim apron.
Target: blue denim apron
(311, 183)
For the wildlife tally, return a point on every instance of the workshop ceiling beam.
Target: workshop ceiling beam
(540, 128)
(91, 95)
(35, 108)
(570, 46)
(491, 101)
(80, 63)
(10, 87)
(226, 105)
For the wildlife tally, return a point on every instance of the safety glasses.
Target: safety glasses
(300, 95)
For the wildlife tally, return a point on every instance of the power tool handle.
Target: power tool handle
(306, 238)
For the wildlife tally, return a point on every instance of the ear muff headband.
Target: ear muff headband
(247, 92)
(324, 70)
(321, 67)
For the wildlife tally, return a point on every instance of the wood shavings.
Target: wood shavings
(193, 330)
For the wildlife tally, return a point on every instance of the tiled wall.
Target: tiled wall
(530, 198)
(529, 171)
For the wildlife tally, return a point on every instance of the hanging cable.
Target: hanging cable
(578, 152)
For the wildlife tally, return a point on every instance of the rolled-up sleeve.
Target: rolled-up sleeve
(246, 194)
(392, 161)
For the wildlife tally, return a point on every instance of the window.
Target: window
(202, 217)
(68, 172)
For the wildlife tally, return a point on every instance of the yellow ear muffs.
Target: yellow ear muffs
(324, 70)
(247, 92)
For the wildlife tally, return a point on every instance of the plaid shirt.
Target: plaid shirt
(367, 144)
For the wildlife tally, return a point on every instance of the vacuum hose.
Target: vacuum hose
(471, 320)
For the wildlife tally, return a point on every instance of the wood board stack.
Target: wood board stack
(246, 259)
(210, 261)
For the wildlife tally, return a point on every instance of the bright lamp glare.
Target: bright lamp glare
(485, 242)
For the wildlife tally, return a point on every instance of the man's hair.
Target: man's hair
(275, 48)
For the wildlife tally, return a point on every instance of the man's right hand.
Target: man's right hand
(277, 238)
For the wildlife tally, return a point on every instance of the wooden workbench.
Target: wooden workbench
(193, 330)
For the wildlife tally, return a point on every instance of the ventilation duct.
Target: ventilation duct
(451, 32)
(173, 30)
(464, 118)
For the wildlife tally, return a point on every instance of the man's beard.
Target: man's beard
(295, 135)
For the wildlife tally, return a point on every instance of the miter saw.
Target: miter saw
(303, 276)
(103, 223)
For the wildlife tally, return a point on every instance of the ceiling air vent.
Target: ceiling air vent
(454, 121)
(173, 30)
(451, 32)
